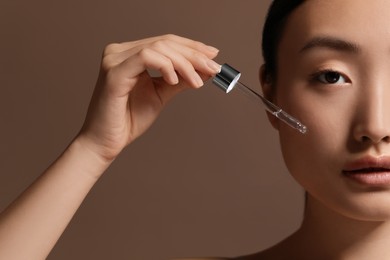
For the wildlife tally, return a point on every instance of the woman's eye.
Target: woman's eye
(330, 77)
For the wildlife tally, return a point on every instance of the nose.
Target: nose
(373, 117)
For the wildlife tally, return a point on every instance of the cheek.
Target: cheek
(309, 157)
(313, 157)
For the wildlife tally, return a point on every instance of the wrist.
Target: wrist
(105, 148)
(89, 154)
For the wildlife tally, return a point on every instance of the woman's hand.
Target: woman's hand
(125, 102)
(127, 99)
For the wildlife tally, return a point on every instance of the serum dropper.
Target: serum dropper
(228, 79)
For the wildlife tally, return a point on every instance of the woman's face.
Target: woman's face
(334, 76)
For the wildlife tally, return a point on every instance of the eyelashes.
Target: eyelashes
(329, 77)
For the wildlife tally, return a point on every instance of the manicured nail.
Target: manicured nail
(174, 79)
(198, 80)
(212, 49)
(214, 66)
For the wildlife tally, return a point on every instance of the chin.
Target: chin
(372, 206)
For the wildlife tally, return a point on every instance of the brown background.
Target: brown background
(208, 178)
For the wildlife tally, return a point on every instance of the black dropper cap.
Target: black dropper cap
(227, 78)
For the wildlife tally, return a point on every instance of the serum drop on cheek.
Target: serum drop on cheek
(228, 79)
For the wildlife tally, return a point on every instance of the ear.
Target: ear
(269, 93)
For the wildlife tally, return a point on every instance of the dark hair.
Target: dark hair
(273, 30)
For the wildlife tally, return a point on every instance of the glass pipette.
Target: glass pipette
(228, 78)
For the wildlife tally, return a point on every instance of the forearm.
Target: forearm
(32, 224)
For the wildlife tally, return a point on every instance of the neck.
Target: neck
(326, 234)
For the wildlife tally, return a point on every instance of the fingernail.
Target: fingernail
(212, 49)
(174, 79)
(214, 66)
(198, 81)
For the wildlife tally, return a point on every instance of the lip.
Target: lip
(371, 171)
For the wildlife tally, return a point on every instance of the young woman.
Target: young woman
(327, 63)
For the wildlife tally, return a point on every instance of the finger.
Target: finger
(187, 61)
(124, 75)
(182, 65)
(168, 45)
(166, 60)
(209, 51)
(166, 93)
(199, 60)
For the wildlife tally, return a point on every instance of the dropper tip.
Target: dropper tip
(302, 129)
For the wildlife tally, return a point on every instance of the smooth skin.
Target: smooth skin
(333, 75)
(125, 103)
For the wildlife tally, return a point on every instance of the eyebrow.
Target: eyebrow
(332, 43)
